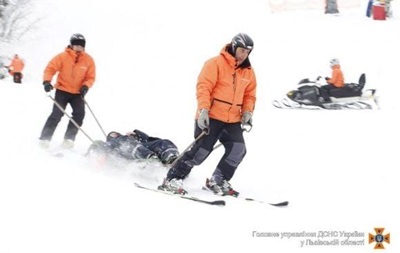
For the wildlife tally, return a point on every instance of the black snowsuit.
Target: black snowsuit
(138, 145)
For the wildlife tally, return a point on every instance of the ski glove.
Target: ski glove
(247, 118)
(47, 86)
(203, 121)
(84, 89)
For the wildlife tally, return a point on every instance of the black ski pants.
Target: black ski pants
(64, 98)
(17, 77)
(325, 89)
(231, 137)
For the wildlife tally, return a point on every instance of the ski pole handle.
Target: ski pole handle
(204, 132)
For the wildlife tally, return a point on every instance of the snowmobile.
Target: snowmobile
(351, 96)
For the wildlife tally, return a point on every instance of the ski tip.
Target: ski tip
(280, 204)
(218, 203)
(277, 204)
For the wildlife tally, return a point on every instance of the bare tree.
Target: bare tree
(16, 20)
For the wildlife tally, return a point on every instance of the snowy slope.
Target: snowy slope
(335, 167)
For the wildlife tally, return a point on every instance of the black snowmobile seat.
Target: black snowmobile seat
(344, 92)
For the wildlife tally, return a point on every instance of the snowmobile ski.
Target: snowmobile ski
(186, 196)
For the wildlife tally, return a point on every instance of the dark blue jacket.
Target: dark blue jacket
(139, 145)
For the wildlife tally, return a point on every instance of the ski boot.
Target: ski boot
(222, 189)
(174, 186)
(44, 144)
(67, 144)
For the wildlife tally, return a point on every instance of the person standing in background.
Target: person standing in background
(331, 7)
(15, 68)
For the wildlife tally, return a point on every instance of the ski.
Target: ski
(276, 204)
(58, 154)
(64, 153)
(187, 197)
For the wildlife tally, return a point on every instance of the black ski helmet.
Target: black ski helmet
(112, 135)
(242, 40)
(78, 39)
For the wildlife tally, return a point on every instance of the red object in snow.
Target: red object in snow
(379, 12)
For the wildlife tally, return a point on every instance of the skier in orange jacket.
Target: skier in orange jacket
(226, 96)
(15, 68)
(76, 74)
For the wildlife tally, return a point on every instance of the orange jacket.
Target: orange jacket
(337, 78)
(74, 70)
(17, 65)
(225, 90)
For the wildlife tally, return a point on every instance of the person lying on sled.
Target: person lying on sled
(136, 145)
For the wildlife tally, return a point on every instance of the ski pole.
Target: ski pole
(205, 131)
(86, 103)
(70, 118)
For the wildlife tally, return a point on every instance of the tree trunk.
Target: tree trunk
(331, 7)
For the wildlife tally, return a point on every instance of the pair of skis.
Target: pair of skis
(211, 202)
